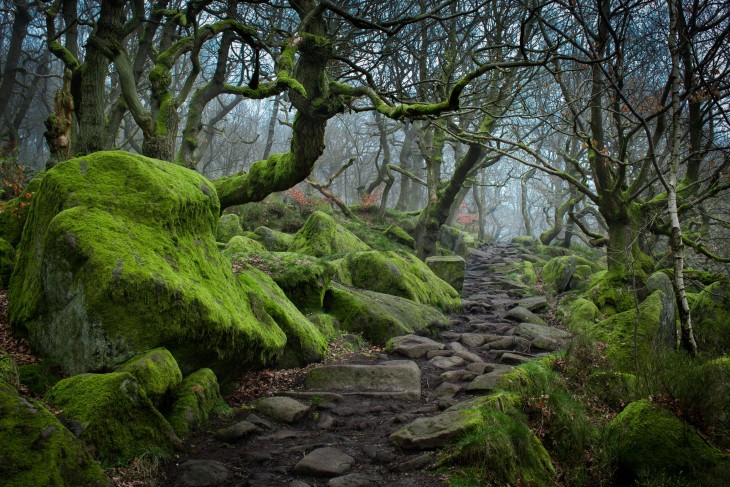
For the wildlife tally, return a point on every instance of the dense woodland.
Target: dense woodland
(594, 135)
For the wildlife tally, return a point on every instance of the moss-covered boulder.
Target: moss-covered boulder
(667, 335)
(710, 313)
(37, 450)
(39, 377)
(156, 372)
(119, 249)
(649, 441)
(274, 240)
(195, 398)
(578, 315)
(112, 415)
(242, 245)
(13, 213)
(611, 293)
(378, 316)
(449, 268)
(455, 240)
(397, 234)
(525, 241)
(304, 343)
(303, 278)
(399, 274)
(229, 226)
(322, 236)
(7, 262)
(563, 273)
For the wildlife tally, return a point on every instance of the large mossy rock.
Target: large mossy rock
(397, 234)
(611, 293)
(37, 450)
(449, 268)
(651, 442)
(378, 316)
(568, 272)
(711, 319)
(241, 245)
(119, 257)
(112, 415)
(156, 372)
(323, 236)
(455, 240)
(274, 240)
(229, 226)
(399, 274)
(195, 398)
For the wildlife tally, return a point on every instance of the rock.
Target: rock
(489, 381)
(397, 273)
(581, 314)
(450, 268)
(321, 235)
(202, 473)
(457, 347)
(446, 362)
(533, 330)
(473, 339)
(545, 343)
(356, 480)
(397, 379)
(274, 240)
(378, 316)
(455, 240)
(414, 346)
(533, 303)
(666, 336)
(235, 432)
(649, 440)
(416, 463)
(557, 274)
(709, 319)
(280, 408)
(229, 226)
(514, 359)
(195, 398)
(468, 356)
(36, 449)
(99, 406)
(480, 368)
(259, 421)
(324, 462)
(156, 372)
(298, 483)
(438, 353)
(431, 432)
(524, 315)
(397, 234)
(447, 389)
(509, 343)
(120, 249)
(240, 245)
(457, 376)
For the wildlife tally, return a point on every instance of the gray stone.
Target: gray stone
(450, 268)
(430, 432)
(461, 375)
(399, 379)
(469, 357)
(513, 358)
(235, 432)
(524, 315)
(532, 331)
(473, 339)
(533, 303)
(508, 343)
(415, 463)
(202, 473)
(485, 382)
(298, 483)
(439, 353)
(457, 347)
(544, 343)
(414, 346)
(447, 389)
(326, 422)
(356, 480)
(446, 362)
(280, 408)
(479, 368)
(258, 421)
(325, 462)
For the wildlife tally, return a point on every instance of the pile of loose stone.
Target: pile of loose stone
(378, 420)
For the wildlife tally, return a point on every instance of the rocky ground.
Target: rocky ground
(376, 418)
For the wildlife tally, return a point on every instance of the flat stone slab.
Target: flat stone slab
(202, 473)
(236, 432)
(533, 330)
(473, 339)
(469, 357)
(524, 315)
(488, 381)
(446, 362)
(533, 303)
(430, 432)
(399, 379)
(513, 358)
(414, 346)
(325, 462)
(356, 480)
(280, 408)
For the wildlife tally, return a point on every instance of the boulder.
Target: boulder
(413, 346)
(112, 415)
(710, 313)
(239, 244)
(274, 240)
(156, 372)
(455, 240)
(397, 379)
(322, 236)
(399, 274)
(229, 226)
(202, 473)
(14, 213)
(450, 268)
(379, 317)
(650, 441)
(397, 234)
(581, 314)
(280, 408)
(195, 398)
(561, 274)
(120, 249)
(524, 315)
(324, 462)
(666, 336)
(36, 449)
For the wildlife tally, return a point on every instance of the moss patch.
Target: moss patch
(228, 227)
(397, 234)
(455, 240)
(240, 245)
(399, 274)
(274, 240)
(112, 415)
(710, 312)
(156, 372)
(322, 236)
(451, 269)
(119, 249)
(36, 449)
(195, 398)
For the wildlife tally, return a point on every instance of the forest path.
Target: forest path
(341, 435)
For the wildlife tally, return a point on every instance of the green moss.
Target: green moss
(228, 227)
(241, 245)
(648, 440)
(450, 269)
(327, 324)
(710, 313)
(274, 240)
(561, 273)
(322, 236)
(113, 416)
(36, 449)
(8, 370)
(13, 213)
(272, 213)
(455, 240)
(611, 293)
(579, 314)
(304, 342)
(39, 377)
(125, 248)
(527, 273)
(303, 278)
(396, 233)
(156, 372)
(399, 274)
(524, 241)
(195, 398)
(7, 262)
(378, 317)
